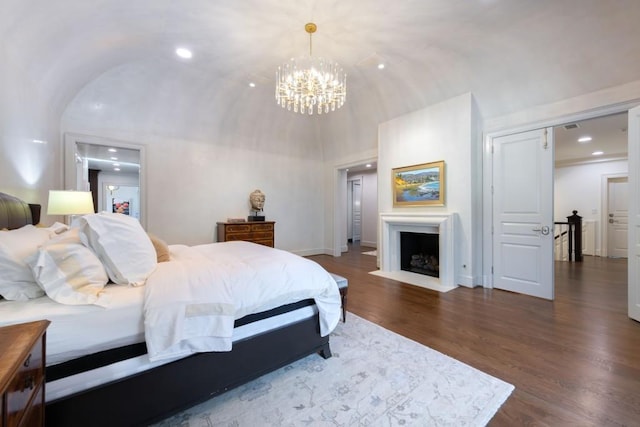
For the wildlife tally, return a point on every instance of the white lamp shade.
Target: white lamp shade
(70, 203)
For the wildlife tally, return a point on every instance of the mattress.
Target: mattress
(71, 384)
(82, 330)
(78, 330)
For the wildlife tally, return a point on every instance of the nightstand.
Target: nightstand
(22, 374)
(262, 232)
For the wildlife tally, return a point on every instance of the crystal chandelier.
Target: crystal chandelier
(308, 84)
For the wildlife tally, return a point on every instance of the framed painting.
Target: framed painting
(419, 185)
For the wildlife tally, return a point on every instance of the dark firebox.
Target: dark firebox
(419, 253)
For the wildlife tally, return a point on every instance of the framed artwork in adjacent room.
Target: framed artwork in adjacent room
(419, 185)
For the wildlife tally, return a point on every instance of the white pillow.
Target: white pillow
(121, 244)
(68, 271)
(16, 281)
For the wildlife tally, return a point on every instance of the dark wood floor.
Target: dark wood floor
(574, 361)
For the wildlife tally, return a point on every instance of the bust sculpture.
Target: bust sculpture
(257, 199)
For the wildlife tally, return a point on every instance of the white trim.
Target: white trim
(633, 258)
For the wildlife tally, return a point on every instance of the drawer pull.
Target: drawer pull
(28, 361)
(29, 383)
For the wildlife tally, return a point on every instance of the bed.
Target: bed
(98, 374)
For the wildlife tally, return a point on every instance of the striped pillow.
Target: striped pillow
(69, 272)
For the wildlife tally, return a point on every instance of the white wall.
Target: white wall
(579, 187)
(27, 169)
(205, 154)
(446, 131)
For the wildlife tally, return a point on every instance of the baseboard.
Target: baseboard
(468, 281)
(369, 244)
(310, 252)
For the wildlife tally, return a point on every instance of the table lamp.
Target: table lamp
(70, 203)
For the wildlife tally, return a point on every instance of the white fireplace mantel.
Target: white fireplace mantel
(392, 224)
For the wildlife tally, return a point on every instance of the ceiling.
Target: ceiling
(608, 135)
(512, 55)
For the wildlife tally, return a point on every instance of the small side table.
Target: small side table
(22, 370)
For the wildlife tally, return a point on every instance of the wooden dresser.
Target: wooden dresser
(22, 374)
(262, 232)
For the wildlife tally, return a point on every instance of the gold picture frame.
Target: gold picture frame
(419, 185)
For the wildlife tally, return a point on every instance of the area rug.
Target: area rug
(374, 253)
(375, 378)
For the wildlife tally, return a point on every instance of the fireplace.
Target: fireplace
(419, 253)
(440, 227)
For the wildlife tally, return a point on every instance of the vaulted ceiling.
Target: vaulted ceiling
(511, 54)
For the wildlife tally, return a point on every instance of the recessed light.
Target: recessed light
(38, 141)
(252, 84)
(184, 53)
(584, 139)
(381, 66)
(114, 158)
(112, 150)
(597, 153)
(116, 169)
(115, 165)
(368, 165)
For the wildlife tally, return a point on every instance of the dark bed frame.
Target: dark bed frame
(153, 395)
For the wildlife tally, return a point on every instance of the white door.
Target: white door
(350, 211)
(617, 217)
(634, 214)
(357, 210)
(523, 213)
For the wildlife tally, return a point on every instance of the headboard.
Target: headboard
(15, 213)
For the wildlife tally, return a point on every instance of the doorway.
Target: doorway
(366, 171)
(115, 166)
(586, 187)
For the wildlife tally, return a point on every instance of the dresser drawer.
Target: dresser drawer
(26, 383)
(262, 232)
(34, 414)
(238, 236)
(239, 228)
(262, 227)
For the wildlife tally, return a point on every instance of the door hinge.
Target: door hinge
(546, 142)
(491, 189)
(492, 269)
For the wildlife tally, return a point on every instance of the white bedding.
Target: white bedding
(78, 330)
(191, 302)
(244, 274)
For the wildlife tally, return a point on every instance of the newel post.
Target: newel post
(575, 232)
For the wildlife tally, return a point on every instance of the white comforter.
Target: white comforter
(191, 302)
